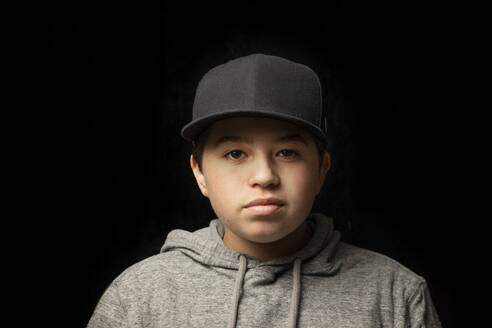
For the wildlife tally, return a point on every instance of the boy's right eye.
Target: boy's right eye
(234, 154)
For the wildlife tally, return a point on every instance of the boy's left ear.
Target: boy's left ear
(325, 166)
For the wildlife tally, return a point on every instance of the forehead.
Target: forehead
(251, 128)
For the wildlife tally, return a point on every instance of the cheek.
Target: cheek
(223, 191)
(221, 182)
(301, 181)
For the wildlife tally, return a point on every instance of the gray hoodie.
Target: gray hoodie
(196, 281)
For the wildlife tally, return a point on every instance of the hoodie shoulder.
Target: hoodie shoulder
(167, 262)
(131, 294)
(155, 267)
(376, 267)
(401, 294)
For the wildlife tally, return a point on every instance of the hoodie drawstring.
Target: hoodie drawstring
(235, 296)
(296, 293)
(294, 302)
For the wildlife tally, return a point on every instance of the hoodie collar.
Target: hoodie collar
(206, 246)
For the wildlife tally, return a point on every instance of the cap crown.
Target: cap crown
(258, 85)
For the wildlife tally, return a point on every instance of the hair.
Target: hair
(199, 143)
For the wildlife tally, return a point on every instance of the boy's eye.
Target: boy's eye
(235, 154)
(289, 153)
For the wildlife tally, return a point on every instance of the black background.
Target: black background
(122, 82)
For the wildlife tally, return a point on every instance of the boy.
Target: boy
(266, 261)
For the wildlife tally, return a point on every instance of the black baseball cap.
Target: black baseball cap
(258, 85)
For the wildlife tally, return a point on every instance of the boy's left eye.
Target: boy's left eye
(289, 153)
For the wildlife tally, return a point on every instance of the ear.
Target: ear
(325, 166)
(200, 178)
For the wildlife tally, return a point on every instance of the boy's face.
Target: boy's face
(235, 172)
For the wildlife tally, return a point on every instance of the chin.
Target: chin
(266, 238)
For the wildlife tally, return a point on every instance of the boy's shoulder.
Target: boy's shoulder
(373, 266)
(163, 265)
(152, 269)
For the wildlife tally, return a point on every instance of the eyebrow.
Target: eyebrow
(290, 137)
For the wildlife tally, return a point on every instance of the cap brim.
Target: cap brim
(193, 129)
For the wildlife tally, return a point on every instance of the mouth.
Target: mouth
(265, 201)
(263, 209)
(264, 206)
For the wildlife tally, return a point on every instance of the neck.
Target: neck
(288, 245)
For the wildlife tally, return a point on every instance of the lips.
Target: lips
(265, 201)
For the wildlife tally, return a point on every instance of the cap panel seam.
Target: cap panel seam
(254, 76)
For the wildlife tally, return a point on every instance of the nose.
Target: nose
(263, 173)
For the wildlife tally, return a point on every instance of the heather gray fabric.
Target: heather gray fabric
(196, 281)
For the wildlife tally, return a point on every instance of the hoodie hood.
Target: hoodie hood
(205, 246)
